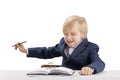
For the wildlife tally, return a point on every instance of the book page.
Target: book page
(62, 70)
(52, 71)
(41, 71)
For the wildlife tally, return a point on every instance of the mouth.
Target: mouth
(70, 42)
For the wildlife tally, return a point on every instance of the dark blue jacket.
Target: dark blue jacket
(85, 54)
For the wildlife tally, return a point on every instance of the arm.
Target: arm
(39, 52)
(95, 63)
(44, 52)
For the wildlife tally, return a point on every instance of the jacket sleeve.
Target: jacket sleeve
(44, 52)
(95, 61)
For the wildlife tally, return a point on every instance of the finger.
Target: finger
(89, 72)
(85, 71)
(15, 47)
(82, 72)
(18, 45)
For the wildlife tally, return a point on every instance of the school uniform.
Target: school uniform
(84, 54)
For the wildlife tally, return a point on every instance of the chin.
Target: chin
(71, 46)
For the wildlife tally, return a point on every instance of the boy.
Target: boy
(77, 52)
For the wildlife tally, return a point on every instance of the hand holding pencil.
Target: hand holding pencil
(20, 46)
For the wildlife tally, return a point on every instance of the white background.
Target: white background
(40, 22)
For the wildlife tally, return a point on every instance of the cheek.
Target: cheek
(65, 39)
(78, 38)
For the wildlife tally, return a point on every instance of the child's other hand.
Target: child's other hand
(86, 71)
(20, 47)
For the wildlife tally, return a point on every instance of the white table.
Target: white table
(22, 75)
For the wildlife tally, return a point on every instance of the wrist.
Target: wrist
(92, 69)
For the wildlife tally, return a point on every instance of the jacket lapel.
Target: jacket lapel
(77, 50)
(80, 48)
(62, 47)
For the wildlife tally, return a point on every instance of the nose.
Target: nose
(69, 37)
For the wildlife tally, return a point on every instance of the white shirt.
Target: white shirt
(68, 51)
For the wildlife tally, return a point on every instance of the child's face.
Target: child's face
(73, 36)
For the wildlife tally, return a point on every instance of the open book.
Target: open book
(53, 71)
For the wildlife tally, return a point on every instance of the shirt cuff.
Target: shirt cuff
(27, 51)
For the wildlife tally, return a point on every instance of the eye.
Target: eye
(65, 34)
(73, 34)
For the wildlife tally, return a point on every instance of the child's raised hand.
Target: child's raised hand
(21, 47)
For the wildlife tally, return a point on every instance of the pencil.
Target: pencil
(20, 43)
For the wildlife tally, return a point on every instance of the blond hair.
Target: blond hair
(74, 19)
